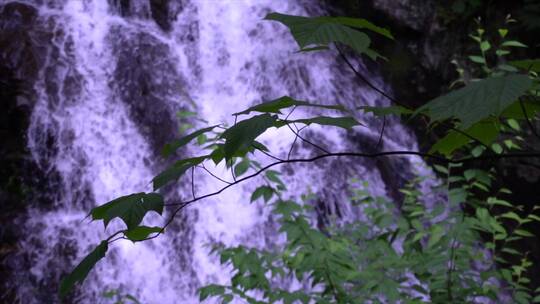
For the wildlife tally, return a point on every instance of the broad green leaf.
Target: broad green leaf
(485, 46)
(274, 177)
(496, 148)
(130, 208)
(176, 170)
(284, 102)
(263, 191)
(342, 122)
(141, 232)
(171, 147)
(81, 271)
(524, 233)
(516, 111)
(512, 215)
(528, 64)
(241, 167)
(210, 291)
(242, 135)
(477, 59)
(321, 31)
(513, 43)
(485, 131)
(478, 100)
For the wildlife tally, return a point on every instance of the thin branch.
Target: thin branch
(271, 156)
(529, 123)
(364, 79)
(213, 175)
(305, 140)
(292, 146)
(382, 133)
(393, 100)
(367, 155)
(295, 139)
(184, 204)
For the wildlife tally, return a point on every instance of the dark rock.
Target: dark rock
(145, 78)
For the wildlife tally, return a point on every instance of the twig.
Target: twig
(214, 176)
(305, 140)
(393, 100)
(529, 123)
(381, 135)
(184, 204)
(367, 81)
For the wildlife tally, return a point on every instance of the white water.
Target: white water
(235, 60)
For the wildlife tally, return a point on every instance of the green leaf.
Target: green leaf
(342, 122)
(436, 233)
(141, 232)
(515, 110)
(176, 170)
(81, 271)
(513, 43)
(321, 31)
(485, 46)
(130, 208)
(524, 233)
(497, 148)
(242, 135)
(265, 191)
(478, 100)
(485, 131)
(477, 59)
(241, 167)
(169, 148)
(528, 64)
(210, 291)
(284, 102)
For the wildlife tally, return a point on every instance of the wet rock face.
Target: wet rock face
(416, 14)
(19, 43)
(163, 12)
(146, 80)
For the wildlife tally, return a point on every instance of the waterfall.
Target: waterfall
(114, 75)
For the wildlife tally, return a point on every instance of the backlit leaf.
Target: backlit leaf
(171, 147)
(478, 100)
(176, 170)
(342, 122)
(321, 31)
(81, 271)
(528, 64)
(284, 102)
(242, 135)
(130, 208)
(141, 232)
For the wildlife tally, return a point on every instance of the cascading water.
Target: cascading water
(107, 95)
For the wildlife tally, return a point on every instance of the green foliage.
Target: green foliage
(119, 298)
(478, 100)
(400, 252)
(317, 33)
(243, 134)
(81, 271)
(284, 102)
(141, 233)
(130, 208)
(176, 170)
(171, 147)
(405, 256)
